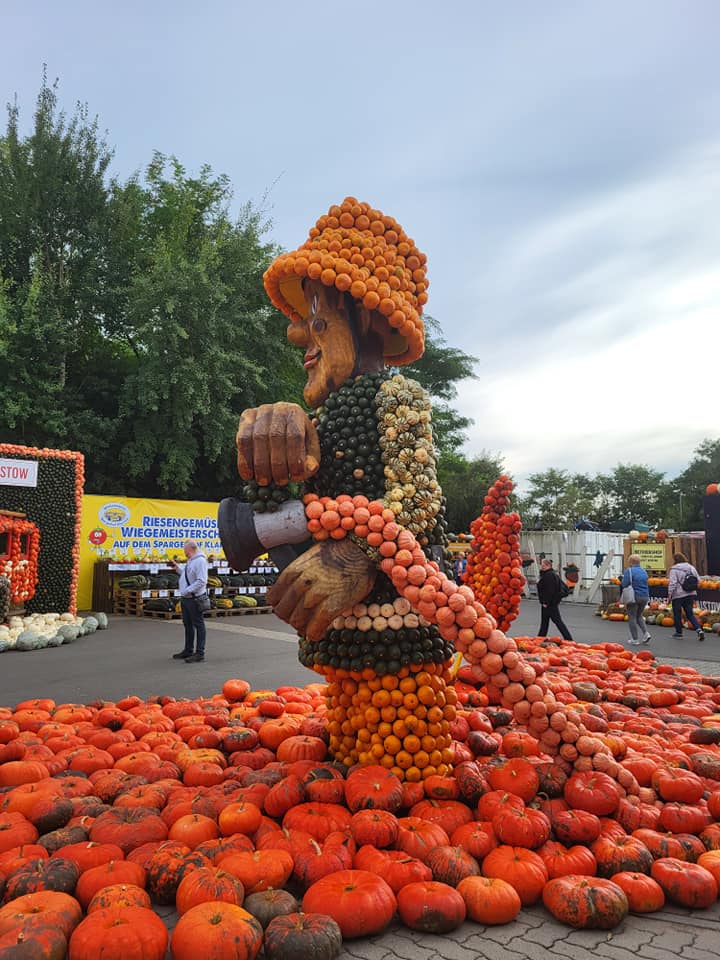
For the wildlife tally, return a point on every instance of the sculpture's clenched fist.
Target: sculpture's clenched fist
(325, 580)
(277, 443)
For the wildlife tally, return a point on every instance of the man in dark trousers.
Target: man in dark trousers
(549, 595)
(192, 585)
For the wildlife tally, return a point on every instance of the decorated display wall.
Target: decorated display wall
(134, 530)
(46, 486)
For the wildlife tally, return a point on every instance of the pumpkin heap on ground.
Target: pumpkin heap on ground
(227, 807)
(41, 630)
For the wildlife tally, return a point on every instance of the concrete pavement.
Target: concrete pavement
(134, 656)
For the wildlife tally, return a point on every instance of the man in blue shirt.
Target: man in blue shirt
(192, 585)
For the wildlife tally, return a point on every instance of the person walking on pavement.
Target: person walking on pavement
(682, 593)
(192, 584)
(636, 577)
(550, 595)
(459, 568)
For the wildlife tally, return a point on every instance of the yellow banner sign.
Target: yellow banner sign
(136, 530)
(652, 555)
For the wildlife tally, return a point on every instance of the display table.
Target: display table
(109, 598)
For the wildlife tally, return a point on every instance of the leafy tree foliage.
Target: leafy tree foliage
(684, 494)
(439, 370)
(206, 342)
(633, 492)
(53, 200)
(556, 499)
(465, 483)
(133, 314)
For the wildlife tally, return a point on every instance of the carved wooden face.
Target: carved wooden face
(327, 338)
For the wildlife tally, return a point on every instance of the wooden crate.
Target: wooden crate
(128, 603)
(132, 603)
(102, 590)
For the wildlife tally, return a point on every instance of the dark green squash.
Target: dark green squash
(302, 936)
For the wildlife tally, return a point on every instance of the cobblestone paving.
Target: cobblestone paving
(672, 932)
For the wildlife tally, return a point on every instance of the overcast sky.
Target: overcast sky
(559, 162)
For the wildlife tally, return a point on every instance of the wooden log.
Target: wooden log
(602, 570)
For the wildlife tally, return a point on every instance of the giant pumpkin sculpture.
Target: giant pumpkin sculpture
(376, 616)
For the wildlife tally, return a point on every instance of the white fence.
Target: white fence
(598, 556)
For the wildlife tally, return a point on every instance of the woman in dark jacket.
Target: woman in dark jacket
(548, 589)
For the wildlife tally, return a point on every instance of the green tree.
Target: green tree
(53, 234)
(633, 492)
(207, 343)
(439, 370)
(464, 483)
(133, 320)
(556, 499)
(682, 506)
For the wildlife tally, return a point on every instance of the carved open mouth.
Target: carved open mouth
(311, 358)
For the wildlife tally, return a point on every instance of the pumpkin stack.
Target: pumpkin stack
(494, 570)
(400, 721)
(386, 659)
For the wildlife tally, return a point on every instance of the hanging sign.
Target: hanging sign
(18, 473)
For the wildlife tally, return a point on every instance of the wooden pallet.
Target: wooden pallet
(237, 611)
(128, 607)
(209, 614)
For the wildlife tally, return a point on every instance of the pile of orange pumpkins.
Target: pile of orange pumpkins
(227, 809)
(494, 568)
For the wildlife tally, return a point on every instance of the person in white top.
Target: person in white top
(192, 585)
(682, 592)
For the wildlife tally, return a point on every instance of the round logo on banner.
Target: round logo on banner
(114, 514)
(97, 536)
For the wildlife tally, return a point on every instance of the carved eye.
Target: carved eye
(313, 308)
(318, 325)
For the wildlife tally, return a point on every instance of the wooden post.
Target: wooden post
(602, 570)
(533, 557)
(577, 588)
(562, 550)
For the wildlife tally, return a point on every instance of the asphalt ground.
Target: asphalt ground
(134, 656)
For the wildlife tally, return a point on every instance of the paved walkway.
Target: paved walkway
(133, 656)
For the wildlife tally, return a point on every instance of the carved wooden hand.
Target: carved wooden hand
(277, 443)
(327, 579)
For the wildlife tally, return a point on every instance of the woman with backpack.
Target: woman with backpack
(634, 576)
(682, 592)
(550, 593)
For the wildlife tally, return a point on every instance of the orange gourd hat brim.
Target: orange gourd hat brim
(360, 251)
